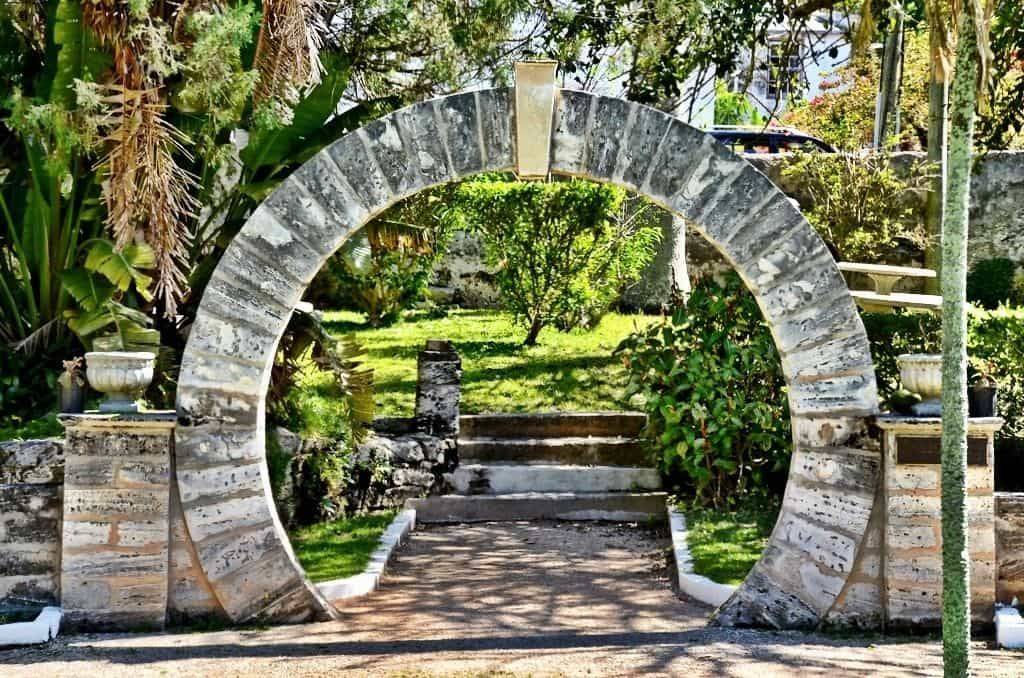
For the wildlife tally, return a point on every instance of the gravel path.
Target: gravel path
(506, 599)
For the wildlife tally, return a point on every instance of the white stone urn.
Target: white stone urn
(122, 376)
(921, 373)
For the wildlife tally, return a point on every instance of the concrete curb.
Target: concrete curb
(694, 585)
(366, 581)
(42, 629)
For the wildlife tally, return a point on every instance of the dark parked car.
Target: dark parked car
(768, 140)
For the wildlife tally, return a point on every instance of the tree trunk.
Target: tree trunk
(531, 336)
(887, 109)
(956, 619)
(938, 104)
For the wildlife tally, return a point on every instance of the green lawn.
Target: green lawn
(726, 544)
(340, 548)
(574, 371)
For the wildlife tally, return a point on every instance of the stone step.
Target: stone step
(552, 425)
(518, 478)
(606, 450)
(617, 506)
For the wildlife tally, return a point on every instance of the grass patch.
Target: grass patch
(340, 548)
(565, 371)
(724, 545)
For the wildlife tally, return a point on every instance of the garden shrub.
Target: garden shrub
(321, 390)
(28, 387)
(991, 282)
(714, 392)
(563, 251)
(861, 206)
(386, 267)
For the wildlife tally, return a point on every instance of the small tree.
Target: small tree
(860, 205)
(563, 251)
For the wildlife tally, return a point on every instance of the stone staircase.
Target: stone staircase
(571, 466)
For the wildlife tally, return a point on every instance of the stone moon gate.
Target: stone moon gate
(809, 567)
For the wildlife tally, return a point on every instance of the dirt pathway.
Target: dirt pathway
(506, 598)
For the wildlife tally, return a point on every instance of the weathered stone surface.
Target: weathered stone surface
(460, 123)
(1009, 538)
(30, 524)
(425, 147)
(569, 141)
(496, 124)
(116, 535)
(835, 507)
(821, 543)
(112, 504)
(216, 483)
(645, 136)
(235, 551)
(360, 171)
(761, 602)
(681, 153)
(849, 472)
(320, 205)
(210, 444)
(739, 202)
(34, 462)
(90, 471)
(189, 596)
(259, 268)
(607, 135)
(210, 520)
(143, 472)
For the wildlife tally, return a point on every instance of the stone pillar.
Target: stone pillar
(31, 473)
(912, 548)
(1009, 546)
(117, 487)
(438, 388)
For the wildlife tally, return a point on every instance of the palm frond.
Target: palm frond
(288, 50)
(42, 337)
(147, 192)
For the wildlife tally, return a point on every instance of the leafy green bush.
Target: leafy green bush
(28, 387)
(991, 282)
(563, 251)
(860, 205)
(996, 337)
(44, 427)
(713, 389)
(321, 390)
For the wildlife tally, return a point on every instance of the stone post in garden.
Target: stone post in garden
(117, 492)
(438, 388)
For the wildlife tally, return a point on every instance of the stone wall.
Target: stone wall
(1010, 546)
(31, 478)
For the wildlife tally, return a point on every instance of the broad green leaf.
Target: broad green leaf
(89, 290)
(122, 267)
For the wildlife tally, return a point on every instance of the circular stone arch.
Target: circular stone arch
(221, 468)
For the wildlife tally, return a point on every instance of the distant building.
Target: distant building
(792, 66)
